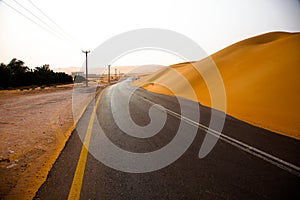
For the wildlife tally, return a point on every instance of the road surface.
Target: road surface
(246, 163)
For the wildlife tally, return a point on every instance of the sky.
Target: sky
(84, 25)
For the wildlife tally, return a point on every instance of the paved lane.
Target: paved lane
(227, 172)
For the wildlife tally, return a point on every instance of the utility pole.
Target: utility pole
(86, 67)
(115, 73)
(108, 75)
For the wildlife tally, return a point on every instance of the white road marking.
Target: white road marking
(241, 145)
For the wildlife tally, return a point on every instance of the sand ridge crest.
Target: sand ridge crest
(261, 79)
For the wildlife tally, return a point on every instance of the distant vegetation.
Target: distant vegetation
(17, 75)
(79, 79)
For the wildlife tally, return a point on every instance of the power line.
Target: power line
(43, 13)
(108, 75)
(51, 28)
(61, 35)
(49, 31)
(86, 67)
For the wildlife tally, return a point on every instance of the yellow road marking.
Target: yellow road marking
(79, 173)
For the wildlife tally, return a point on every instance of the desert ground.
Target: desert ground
(260, 76)
(34, 126)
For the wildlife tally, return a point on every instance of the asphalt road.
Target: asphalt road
(246, 163)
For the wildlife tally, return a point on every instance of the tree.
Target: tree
(5, 76)
(15, 74)
(17, 67)
(79, 79)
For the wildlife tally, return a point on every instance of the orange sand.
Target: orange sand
(261, 79)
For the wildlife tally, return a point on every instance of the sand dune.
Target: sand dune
(261, 79)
